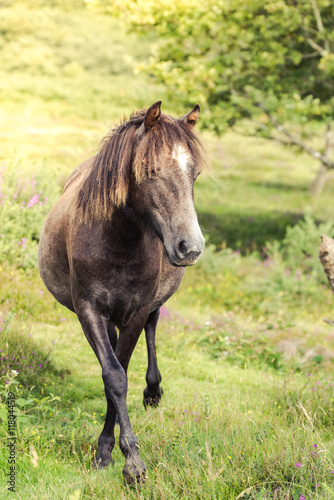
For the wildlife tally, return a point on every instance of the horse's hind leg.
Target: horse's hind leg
(114, 377)
(153, 391)
(112, 334)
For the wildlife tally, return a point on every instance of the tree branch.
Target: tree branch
(317, 15)
(328, 141)
(319, 23)
(295, 140)
(315, 46)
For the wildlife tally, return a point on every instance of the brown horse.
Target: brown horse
(114, 248)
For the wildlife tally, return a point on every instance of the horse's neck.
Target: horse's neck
(128, 226)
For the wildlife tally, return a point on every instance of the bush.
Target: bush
(24, 204)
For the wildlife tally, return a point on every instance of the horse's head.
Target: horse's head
(169, 153)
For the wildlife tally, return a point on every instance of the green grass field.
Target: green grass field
(245, 356)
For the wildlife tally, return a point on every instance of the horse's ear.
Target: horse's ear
(192, 117)
(152, 115)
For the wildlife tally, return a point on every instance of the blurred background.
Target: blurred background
(262, 72)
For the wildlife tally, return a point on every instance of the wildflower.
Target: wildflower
(315, 446)
(298, 464)
(33, 201)
(181, 423)
(185, 411)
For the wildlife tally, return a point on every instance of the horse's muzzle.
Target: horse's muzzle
(186, 255)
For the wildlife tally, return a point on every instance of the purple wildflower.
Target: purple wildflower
(33, 201)
(298, 464)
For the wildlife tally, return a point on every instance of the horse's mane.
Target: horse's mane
(107, 185)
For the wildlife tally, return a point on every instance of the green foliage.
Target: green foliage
(24, 203)
(22, 359)
(300, 249)
(231, 55)
(242, 347)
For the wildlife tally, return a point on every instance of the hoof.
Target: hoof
(151, 399)
(102, 462)
(134, 471)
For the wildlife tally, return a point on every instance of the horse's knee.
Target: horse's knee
(116, 383)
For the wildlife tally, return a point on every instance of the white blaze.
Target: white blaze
(181, 155)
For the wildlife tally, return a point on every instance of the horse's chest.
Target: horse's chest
(170, 279)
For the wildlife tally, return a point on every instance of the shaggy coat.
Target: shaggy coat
(114, 248)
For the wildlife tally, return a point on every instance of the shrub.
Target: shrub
(24, 203)
(300, 248)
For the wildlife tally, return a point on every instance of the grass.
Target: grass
(221, 428)
(246, 360)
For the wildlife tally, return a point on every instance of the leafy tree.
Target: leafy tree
(270, 61)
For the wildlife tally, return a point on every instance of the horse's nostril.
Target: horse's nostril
(182, 249)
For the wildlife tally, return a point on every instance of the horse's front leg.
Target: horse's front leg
(114, 377)
(153, 391)
(106, 440)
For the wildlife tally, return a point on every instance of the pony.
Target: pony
(115, 246)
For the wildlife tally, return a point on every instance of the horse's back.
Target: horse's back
(79, 174)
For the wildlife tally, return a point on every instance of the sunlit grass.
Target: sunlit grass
(246, 359)
(220, 429)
